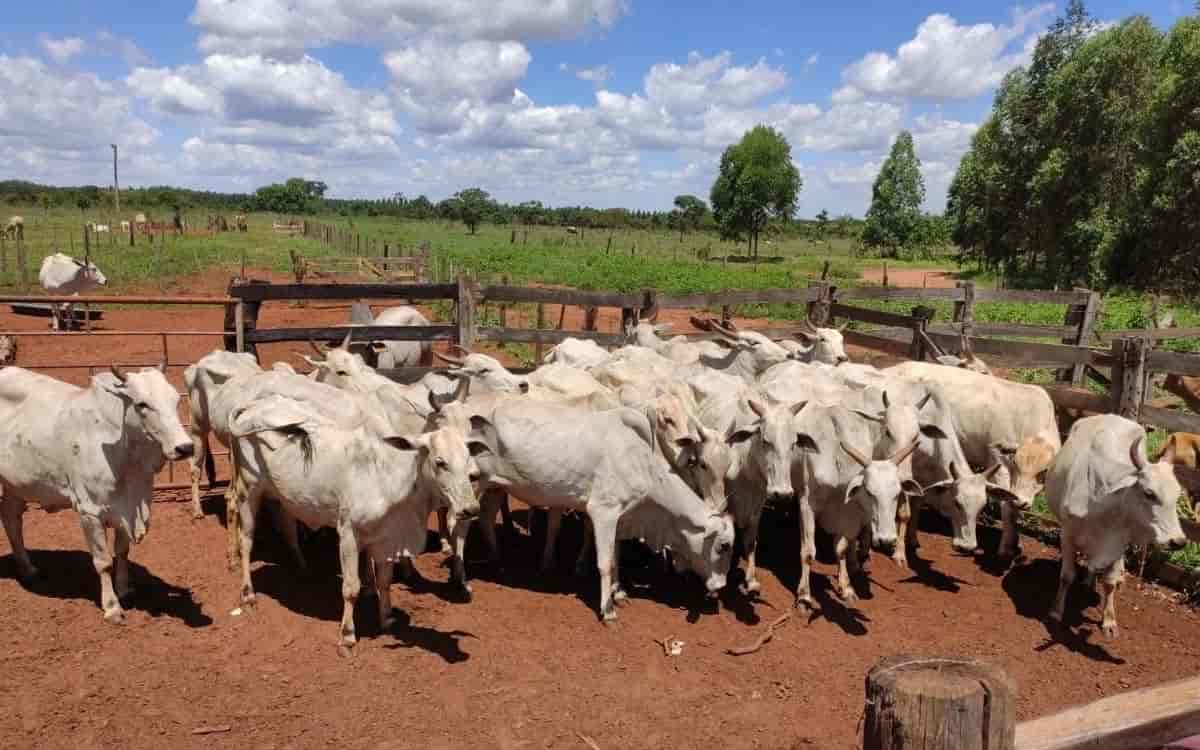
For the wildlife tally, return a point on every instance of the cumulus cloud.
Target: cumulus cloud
(597, 75)
(62, 50)
(110, 44)
(482, 70)
(714, 81)
(945, 59)
(287, 28)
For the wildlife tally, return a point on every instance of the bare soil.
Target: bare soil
(526, 663)
(916, 277)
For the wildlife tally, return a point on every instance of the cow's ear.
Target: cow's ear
(479, 422)
(478, 448)
(933, 431)
(405, 443)
(854, 484)
(741, 434)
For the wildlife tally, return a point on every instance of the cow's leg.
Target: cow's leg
(383, 589)
(553, 522)
(1110, 583)
(458, 561)
(97, 542)
(750, 542)
(605, 529)
(506, 516)
(444, 532)
(199, 451)
(12, 510)
(1066, 576)
(121, 568)
(247, 508)
(845, 587)
(233, 499)
(904, 514)
(861, 549)
(587, 548)
(348, 554)
(289, 529)
(808, 553)
(489, 502)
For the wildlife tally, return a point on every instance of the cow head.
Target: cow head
(1150, 496)
(962, 498)
(88, 274)
(486, 372)
(1025, 466)
(827, 345)
(759, 352)
(151, 407)
(770, 440)
(705, 462)
(707, 551)
(877, 489)
(338, 366)
(446, 467)
(646, 334)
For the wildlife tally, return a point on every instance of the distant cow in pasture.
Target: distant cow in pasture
(15, 228)
(240, 221)
(125, 227)
(61, 275)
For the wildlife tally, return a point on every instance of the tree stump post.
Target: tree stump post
(929, 703)
(1130, 389)
(964, 309)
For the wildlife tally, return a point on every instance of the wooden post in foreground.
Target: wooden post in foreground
(541, 323)
(921, 315)
(964, 309)
(466, 313)
(1129, 380)
(929, 703)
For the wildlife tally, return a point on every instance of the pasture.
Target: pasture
(525, 663)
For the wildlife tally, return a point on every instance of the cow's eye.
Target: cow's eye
(343, 374)
(142, 406)
(702, 465)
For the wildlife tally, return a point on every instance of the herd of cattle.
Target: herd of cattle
(677, 443)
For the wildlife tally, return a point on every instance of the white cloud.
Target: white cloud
(597, 75)
(287, 28)
(853, 175)
(944, 59)
(111, 44)
(62, 50)
(703, 82)
(812, 60)
(939, 139)
(482, 70)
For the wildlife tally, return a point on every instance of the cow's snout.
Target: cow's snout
(1177, 543)
(776, 498)
(184, 450)
(523, 386)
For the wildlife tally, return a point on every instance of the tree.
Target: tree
(471, 205)
(757, 182)
(691, 211)
(894, 219)
(822, 224)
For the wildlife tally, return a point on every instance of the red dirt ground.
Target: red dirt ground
(922, 277)
(526, 664)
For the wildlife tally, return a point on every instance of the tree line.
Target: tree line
(1087, 171)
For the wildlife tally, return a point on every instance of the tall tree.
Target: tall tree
(894, 219)
(472, 205)
(757, 182)
(691, 211)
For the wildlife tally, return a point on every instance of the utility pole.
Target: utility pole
(116, 185)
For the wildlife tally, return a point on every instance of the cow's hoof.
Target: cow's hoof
(619, 597)
(1110, 630)
(249, 599)
(447, 548)
(346, 650)
(806, 604)
(465, 592)
(848, 595)
(115, 616)
(610, 618)
(901, 562)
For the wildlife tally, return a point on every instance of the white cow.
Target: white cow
(577, 353)
(602, 463)
(997, 420)
(825, 345)
(376, 489)
(393, 354)
(15, 228)
(1108, 495)
(846, 492)
(202, 380)
(94, 450)
(63, 275)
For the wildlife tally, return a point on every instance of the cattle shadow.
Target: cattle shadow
(1032, 585)
(69, 574)
(446, 645)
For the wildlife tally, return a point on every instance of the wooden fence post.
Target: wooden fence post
(541, 323)
(590, 314)
(919, 703)
(466, 313)
(1129, 391)
(3, 260)
(819, 310)
(964, 309)
(503, 308)
(921, 316)
(1083, 337)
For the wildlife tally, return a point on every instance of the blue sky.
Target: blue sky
(598, 102)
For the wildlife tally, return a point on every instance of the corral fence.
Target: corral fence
(360, 254)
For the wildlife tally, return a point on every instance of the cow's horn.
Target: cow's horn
(1137, 454)
(118, 373)
(316, 347)
(455, 361)
(728, 325)
(700, 323)
(899, 456)
(859, 458)
(346, 341)
(462, 350)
